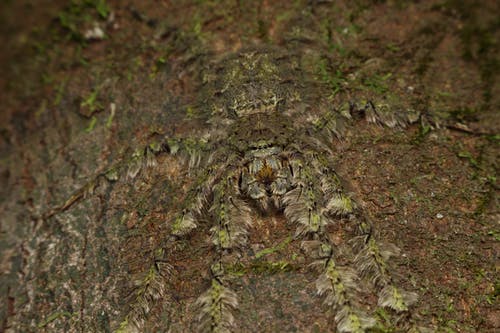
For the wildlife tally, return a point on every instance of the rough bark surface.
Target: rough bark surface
(88, 84)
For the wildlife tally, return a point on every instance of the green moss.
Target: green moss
(334, 79)
(468, 156)
(101, 7)
(377, 83)
(422, 133)
(259, 266)
(123, 327)
(271, 267)
(79, 12)
(91, 124)
(90, 104)
(274, 249)
(384, 324)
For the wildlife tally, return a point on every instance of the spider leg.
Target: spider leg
(231, 222)
(372, 257)
(201, 192)
(194, 205)
(386, 113)
(333, 122)
(152, 286)
(215, 187)
(142, 159)
(305, 206)
(215, 306)
(372, 262)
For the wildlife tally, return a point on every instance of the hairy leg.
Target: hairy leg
(306, 206)
(231, 219)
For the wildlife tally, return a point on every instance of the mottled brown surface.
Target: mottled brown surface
(432, 193)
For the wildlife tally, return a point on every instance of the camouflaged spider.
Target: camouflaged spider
(267, 150)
